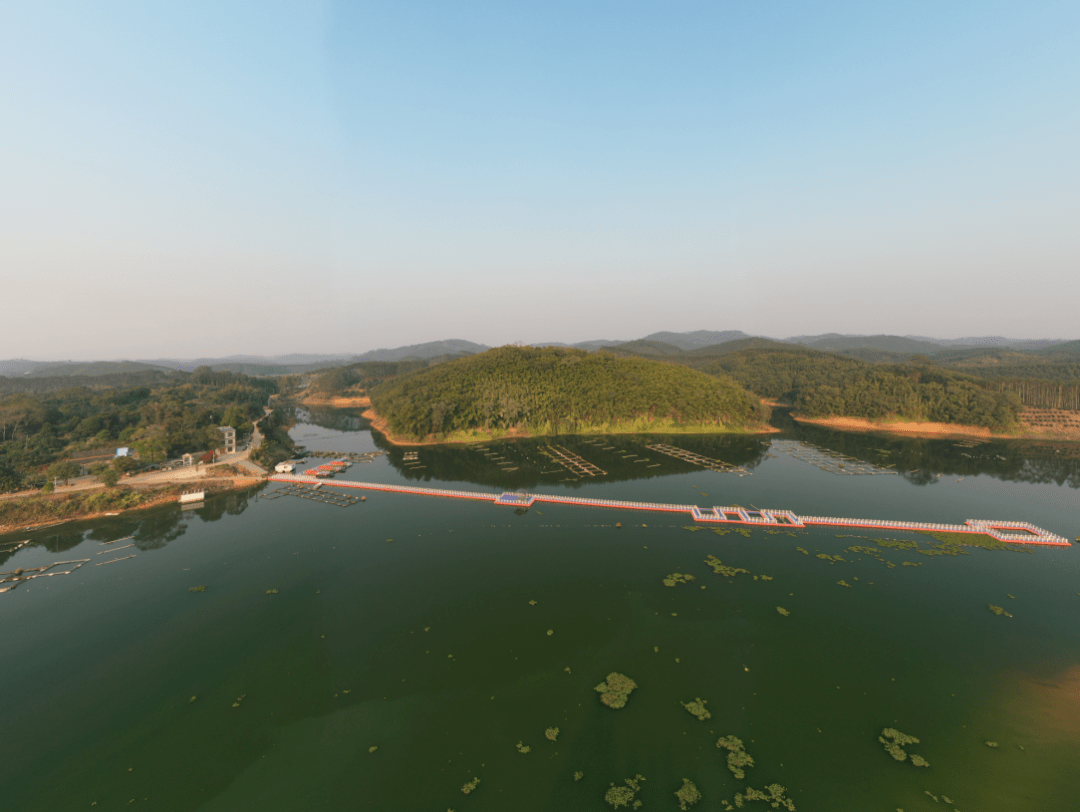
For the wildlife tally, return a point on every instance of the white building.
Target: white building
(283, 468)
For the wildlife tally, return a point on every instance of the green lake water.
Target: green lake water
(404, 623)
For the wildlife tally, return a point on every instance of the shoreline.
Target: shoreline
(338, 402)
(381, 425)
(162, 495)
(927, 429)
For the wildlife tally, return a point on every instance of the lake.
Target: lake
(450, 635)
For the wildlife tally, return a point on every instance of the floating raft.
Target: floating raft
(1011, 532)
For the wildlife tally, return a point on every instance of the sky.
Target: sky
(202, 179)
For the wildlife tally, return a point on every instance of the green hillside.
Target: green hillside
(820, 384)
(555, 390)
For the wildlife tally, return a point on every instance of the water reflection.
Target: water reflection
(326, 417)
(523, 463)
(149, 529)
(921, 460)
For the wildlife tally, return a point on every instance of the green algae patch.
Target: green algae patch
(738, 760)
(697, 708)
(625, 796)
(894, 743)
(687, 794)
(616, 690)
(678, 578)
(719, 568)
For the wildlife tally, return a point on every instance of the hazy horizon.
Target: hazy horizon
(362, 351)
(208, 180)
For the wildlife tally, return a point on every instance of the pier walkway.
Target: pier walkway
(1007, 531)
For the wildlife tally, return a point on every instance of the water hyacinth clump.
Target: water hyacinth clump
(720, 568)
(687, 794)
(578, 775)
(470, 786)
(998, 610)
(738, 759)
(677, 578)
(773, 794)
(697, 708)
(625, 796)
(616, 690)
(552, 734)
(523, 748)
(783, 611)
(894, 743)
(196, 589)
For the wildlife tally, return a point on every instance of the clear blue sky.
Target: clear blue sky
(208, 178)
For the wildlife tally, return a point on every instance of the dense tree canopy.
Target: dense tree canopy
(43, 429)
(820, 384)
(552, 389)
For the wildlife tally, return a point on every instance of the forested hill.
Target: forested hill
(821, 384)
(553, 390)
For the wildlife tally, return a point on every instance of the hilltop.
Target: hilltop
(553, 390)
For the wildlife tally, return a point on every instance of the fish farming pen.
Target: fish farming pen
(351, 456)
(316, 494)
(831, 461)
(20, 576)
(697, 459)
(1006, 531)
(571, 461)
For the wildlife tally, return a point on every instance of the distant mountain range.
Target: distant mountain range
(870, 348)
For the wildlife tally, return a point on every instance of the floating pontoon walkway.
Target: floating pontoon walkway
(1011, 532)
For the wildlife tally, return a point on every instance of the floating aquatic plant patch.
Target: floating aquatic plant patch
(523, 748)
(687, 794)
(697, 708)
(616, 690)
(998, 610)
(773, 794)
(894, 743)
(738, 760)
(196, 589)
(625, 796)
(552, 734)
(677, 578)
(720, 568)
(470, 786)
(783, 611)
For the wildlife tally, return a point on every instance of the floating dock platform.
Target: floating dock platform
(1006, 531)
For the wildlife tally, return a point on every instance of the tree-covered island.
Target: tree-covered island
(555, 390)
